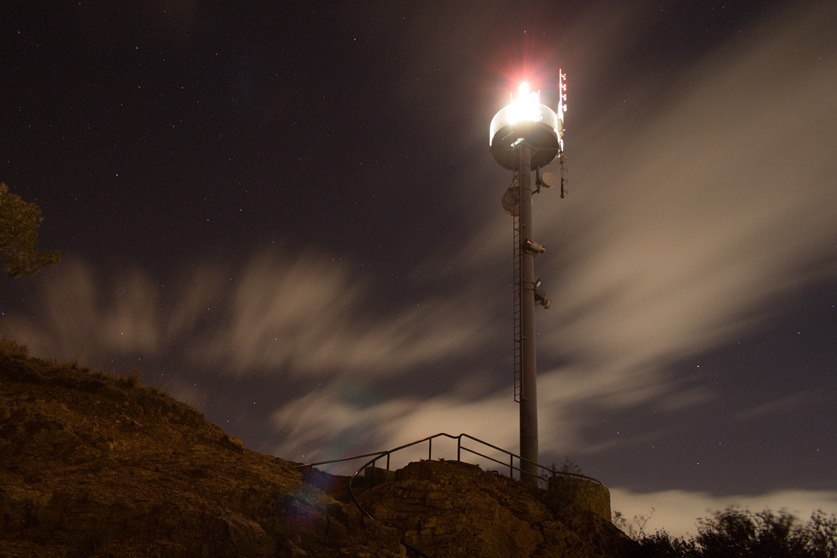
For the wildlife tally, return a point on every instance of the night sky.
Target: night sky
(288, 217)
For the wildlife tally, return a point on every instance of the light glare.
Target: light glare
(526, 107)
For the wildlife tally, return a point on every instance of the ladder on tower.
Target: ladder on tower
(516, 274)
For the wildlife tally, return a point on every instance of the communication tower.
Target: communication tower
(525, 136)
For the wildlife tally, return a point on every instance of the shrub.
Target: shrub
(736, 533)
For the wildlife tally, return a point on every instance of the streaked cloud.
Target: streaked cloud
(308, 316)
(778, 407)
(75, 317)
(278, 314)
(316, 423)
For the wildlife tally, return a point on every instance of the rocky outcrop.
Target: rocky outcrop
(455, 510)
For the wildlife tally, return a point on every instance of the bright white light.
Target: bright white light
(526, 107)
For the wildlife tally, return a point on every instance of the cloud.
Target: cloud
(75, 317)
(307, 315)
(277, 314)
(777, 407)
(317, 426)
(320, 425)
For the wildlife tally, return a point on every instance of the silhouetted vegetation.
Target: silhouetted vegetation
(12, 349)
(19, 221)
(736, 533)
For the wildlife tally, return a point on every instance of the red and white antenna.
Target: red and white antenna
(562, 105)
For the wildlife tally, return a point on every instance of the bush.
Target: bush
(736, 533)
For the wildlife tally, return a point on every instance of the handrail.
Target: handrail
(310, 466)
(459, 448)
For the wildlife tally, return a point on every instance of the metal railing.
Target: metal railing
(547, 472)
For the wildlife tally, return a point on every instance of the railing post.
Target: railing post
(387, 467)
(511, 466)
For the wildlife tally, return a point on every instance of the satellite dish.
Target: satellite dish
(511, 201)
(548, 180)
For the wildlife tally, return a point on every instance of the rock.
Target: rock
(290, 550)
(449, 510)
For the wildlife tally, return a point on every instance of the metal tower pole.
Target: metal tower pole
(526, 135)
(528, 395)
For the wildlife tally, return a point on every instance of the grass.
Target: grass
(12, 349)
(133, 378)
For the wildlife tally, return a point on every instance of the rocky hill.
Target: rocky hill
(93, 464)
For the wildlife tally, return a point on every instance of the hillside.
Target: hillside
(93, 464)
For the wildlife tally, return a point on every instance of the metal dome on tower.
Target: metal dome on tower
(527, 120)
